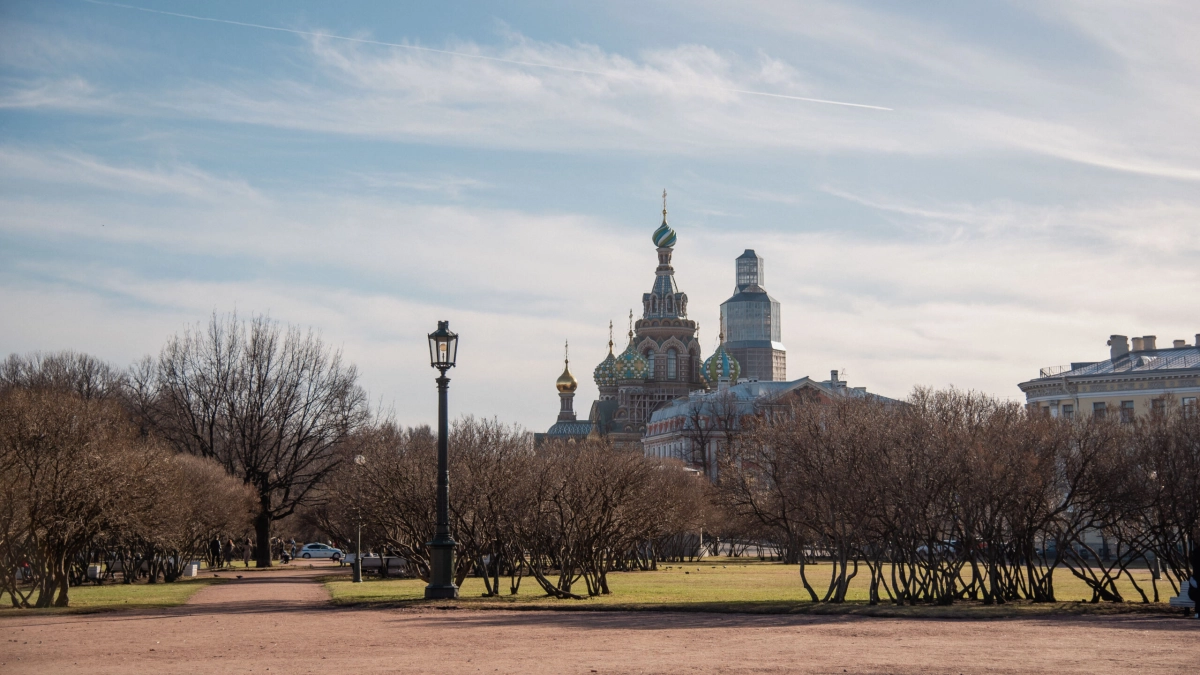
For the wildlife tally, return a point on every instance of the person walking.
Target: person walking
(214, 552)
(246, 552)
(229, 552)
(293, 543)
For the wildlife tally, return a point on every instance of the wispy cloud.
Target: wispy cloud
(67, 168)
(451, 186)
(967, 296)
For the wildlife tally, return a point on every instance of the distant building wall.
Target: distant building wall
(1131, 382)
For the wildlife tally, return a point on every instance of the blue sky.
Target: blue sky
(1032, 187)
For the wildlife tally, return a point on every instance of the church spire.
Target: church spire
(665, 299)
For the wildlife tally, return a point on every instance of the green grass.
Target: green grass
(728, 585)
(113, 596)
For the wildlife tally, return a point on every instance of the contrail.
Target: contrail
(529, 64)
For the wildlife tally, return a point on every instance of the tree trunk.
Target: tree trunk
(262, 532)
(64, 583)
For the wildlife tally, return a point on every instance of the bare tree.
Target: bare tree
(272, 405)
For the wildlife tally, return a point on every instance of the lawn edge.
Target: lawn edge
(8, 611)
(961, 611)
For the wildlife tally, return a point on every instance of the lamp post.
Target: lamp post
(443, 347)
(359, 460)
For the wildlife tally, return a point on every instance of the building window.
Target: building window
(672, 364)
(1158, 406)
(1189, 406)
(1100, 410)
(1126, 411)
(1045, 411)
(650, 363)
(1068, 411)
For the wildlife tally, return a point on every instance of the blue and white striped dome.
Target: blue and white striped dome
(664, 236)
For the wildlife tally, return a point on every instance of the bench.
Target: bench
(374, 565)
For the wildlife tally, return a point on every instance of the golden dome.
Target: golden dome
(566, 382)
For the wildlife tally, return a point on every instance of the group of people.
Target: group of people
(223, 554)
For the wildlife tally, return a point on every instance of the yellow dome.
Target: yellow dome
(566, 382)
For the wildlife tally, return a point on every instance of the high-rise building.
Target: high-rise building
(750, 324)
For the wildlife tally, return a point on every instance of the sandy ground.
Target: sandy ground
(279, 622)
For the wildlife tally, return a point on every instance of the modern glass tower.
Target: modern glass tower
(750, 323)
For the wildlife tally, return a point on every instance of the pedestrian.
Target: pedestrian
(246, 552)
(229, 552)
(293, 543)
(214, 552)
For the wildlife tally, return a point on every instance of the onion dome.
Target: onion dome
(630, 364)
(664, 236)
(605, 374)
(566, 382)
(720, 367)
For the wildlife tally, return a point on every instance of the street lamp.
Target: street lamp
(359, 460)
(443, 348)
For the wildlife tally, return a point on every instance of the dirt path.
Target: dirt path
(279, 622)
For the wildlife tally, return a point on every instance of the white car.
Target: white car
(320, 551)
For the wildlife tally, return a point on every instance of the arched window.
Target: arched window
(672, 364)
(653, 305)
(650, 362)
(669, 303)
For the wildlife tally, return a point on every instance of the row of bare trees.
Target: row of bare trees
(959, 496)
(561, 513)
(80, 484)
(143, 467)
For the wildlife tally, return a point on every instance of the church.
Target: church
(662, 362)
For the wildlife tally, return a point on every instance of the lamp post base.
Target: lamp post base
(441, 571)
(441, 592)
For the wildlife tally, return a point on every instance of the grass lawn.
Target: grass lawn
(91, 598)
(730, 585)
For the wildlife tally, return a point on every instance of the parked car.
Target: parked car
(320, 551)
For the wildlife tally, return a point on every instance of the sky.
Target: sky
(1014, 182)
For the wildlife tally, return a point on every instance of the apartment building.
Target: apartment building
(1137, 377)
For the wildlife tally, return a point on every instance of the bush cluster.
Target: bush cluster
(561, 513)
(80, 484)
(954, 495)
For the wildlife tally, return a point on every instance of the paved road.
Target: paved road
(280, 622)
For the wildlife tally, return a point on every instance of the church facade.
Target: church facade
(662, 361)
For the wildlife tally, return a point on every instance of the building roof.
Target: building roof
(746, 394)
(1149, 361)
(573, 429)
